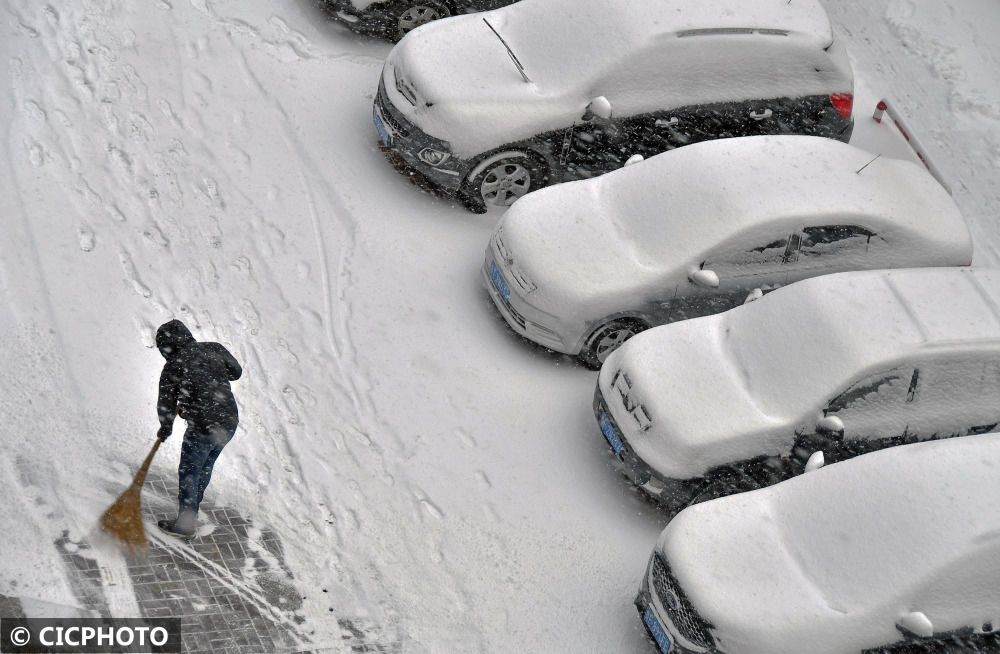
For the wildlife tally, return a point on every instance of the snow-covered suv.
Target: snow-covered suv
(894, 552)
(841, 364)
(582, 266)
(490, 106)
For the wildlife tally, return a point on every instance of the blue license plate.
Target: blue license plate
(499, 282)
(383, 132)
(659, 633)
(610, 433)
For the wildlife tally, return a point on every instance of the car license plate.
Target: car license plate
(499, 282)
(610, 433)
(384, 134)
(655, 628)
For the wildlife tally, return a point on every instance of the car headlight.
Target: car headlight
(433, 157)
(521, 279)
(515, 272)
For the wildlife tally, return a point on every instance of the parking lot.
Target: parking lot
(429, 474)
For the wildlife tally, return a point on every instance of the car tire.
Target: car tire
(607, 338)
(737, 481)
(503, 181)
(410, 14)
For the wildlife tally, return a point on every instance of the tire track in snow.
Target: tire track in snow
(336, 514)
(336, 323)
(155, 177)
(345, 358)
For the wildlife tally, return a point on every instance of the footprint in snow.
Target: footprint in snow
(85, 238)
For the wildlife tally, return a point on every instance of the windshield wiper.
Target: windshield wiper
(513, 58)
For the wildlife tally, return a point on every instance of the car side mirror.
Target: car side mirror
(704, 278)
(915, 624)
(599, 108)
(816, 461)
(830, 426)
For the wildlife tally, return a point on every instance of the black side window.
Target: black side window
(743, 260)
(869, 389)
(831, 239)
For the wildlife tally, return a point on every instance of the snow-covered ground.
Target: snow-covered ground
(215, 161)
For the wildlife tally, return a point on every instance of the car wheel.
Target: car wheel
(737, 482)
(505, 180)
(607, 338)
(410, 14)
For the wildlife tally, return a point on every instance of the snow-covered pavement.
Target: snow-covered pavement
(214, 161)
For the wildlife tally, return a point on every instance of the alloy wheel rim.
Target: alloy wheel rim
(505, 183)
(611, 341)
(416, 16)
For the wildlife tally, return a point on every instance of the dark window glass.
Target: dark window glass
(871, 389)
(830, 239)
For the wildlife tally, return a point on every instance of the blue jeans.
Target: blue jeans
(198, 454)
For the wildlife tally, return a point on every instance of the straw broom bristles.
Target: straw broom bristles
(123, 519)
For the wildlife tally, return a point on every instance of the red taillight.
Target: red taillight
(843, 103)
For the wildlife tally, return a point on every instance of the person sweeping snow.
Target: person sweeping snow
(194, 384)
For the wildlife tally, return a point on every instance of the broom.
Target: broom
(123, 519)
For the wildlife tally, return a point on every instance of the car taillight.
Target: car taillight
(843, 103)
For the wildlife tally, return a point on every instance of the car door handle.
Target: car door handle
(761, 115)
(672, 122)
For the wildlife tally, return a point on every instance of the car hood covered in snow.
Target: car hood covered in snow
(582, 261)
(831, 560)
(700, 409)
(470, 93)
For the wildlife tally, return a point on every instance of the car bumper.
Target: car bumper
(406, 141)
(520, 318)
(674, 493)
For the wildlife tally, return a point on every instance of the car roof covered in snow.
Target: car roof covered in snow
(792, 344)
(720, 188)
(837, 556)
(696, 17)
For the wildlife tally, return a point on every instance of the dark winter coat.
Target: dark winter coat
(195, 380)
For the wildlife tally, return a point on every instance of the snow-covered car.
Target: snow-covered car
(582, 266)
(490, 106)
(893, 552)
(393, 19)
(841, 364)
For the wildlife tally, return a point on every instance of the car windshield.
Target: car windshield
(588, 44)
(897, 557)
(798, 352)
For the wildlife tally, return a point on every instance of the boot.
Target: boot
(182, 527)
(170, 527)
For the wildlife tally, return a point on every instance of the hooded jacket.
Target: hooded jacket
(195, 380)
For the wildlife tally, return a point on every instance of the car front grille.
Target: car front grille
(678, 607)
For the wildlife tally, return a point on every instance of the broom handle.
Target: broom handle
(140, 476)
